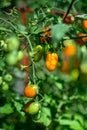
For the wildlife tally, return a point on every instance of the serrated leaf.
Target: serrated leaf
(45, 118)
(6, 109)
(18, 107)
(79, 118)
(73, 124)
(76, 125)
(58, 31)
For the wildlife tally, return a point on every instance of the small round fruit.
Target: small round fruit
(51, 61)
(8, 77)
(68, 42)
(84, 24)
(34, 108)
(5, 86)
(74, 74)
(20, 55)
(39, 51)
(26, 106)
(70, 50)
(30, 91)
(12, 43)
(11, 58)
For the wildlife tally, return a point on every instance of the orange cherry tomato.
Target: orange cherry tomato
(51, 61)
(30, 91)
(84, 24)
(70, 50)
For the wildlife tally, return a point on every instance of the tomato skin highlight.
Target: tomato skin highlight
(34, 108)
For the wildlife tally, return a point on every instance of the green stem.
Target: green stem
(29, 42)
(28, 39)
(8, 22)
(34, 73)
(68, 10)
(33, 65)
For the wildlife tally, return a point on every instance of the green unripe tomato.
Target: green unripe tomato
(34, 108)
(68, 42)
(5, 86)
(37, 53)
(8, 77)
(12, 43)
(11, 58)
(74, 74)
(20, 55)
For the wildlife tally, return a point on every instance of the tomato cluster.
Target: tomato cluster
(11, 47)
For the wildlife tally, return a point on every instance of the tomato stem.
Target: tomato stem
(68, 10)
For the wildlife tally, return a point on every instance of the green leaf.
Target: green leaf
(6, 109)
(59, 85)
(79, 118)
(82, 16)
(73, 124)
(19, 106)
(76, 125)
(58, 31)
(45, 117)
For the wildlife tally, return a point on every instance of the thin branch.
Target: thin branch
(68, 10)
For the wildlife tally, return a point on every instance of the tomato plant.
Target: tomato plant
(43, 65)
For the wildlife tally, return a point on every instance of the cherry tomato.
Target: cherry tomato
(74, 74)
(51, 61)
(34, 108)
(8, 77)
(20, 55)
(31, 91)
(37, 53)
(12, 43)
(5, 86)
(11, 58)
